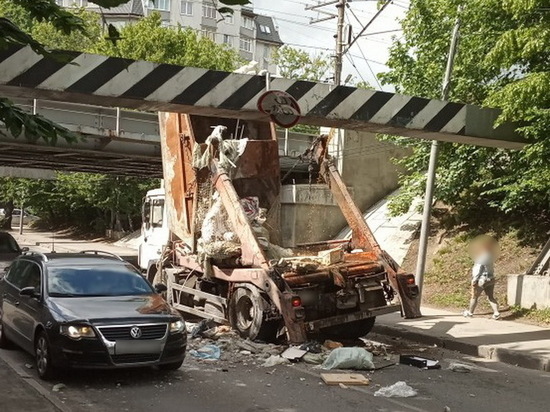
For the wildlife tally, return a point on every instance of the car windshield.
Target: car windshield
(96, 281)
(8, 244)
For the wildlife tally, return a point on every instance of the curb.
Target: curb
(24, 376)
(504, 355)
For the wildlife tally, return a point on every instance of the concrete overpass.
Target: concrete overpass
(94, 79)
(113, 141)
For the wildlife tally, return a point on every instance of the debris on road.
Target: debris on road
(460, 367)
(312, 347)
(58, 387)
(397, 390)
(207, 352)
(349, 358)
(275, 360)
(314, 358)
(330, 344)
(419, 362)
(344, 379)
(294, 353)
(28, 366)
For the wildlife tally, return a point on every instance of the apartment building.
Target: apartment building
(255, 36)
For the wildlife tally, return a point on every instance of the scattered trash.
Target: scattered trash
(459, 367)
(419, 362)
(312, 347)
(446, 409)
(28, 366)
(216, 332)
(472, 395)
(330, 344)
(342, 386)
(58, 387)
(344, 379)
(314, 358)
(207, 352)
(275, 360)
(397, 390)
(349, 358)
(294, 353)
(202, 327)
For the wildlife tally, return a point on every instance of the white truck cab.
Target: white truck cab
(154, 231)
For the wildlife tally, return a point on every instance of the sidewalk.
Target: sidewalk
(17, 396)
(510, 342)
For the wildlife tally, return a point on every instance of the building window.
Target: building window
(227, 40)
(228, 18)
(208, 34)
(265, 29)
(248, 23)
(163, 5)
(186, 8)
(245, 44)
(208, 11)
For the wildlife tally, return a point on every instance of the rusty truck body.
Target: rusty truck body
(221, 258)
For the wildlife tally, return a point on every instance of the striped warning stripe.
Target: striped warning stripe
(163, 84)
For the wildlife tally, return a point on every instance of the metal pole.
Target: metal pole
(341, 6)
(430, 182)
(21, 213)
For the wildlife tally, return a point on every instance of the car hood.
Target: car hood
(110, 307)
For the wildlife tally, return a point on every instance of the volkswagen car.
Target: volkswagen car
(87, 310)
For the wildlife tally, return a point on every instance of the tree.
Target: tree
(297, 64)
(148, 40)
(503, 60)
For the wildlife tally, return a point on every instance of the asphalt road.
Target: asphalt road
(246, 386)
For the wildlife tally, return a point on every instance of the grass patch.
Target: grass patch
(540, 316)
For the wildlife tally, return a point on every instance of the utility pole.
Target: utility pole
(430, 182)
(339, 51)
(341, 6)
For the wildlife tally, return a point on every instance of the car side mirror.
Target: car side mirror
(159, 288)
(24, 249)
(29, 291)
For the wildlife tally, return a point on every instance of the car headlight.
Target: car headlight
(77, 331)
(177, 327)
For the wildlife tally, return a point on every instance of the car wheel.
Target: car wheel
(43, 357)
(5, 343)
(247, 317)
(171, 366)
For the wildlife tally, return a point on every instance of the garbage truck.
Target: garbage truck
(212, 236)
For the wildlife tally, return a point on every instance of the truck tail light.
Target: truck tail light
(296, 301)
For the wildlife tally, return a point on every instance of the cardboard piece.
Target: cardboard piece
(344, 378)
(294, 353)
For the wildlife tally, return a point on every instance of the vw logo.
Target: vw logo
(135, 332)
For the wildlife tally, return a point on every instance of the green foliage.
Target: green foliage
(297, 64)
(148, 40)
(503, 60)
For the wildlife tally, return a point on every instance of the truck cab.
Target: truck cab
(155, 232)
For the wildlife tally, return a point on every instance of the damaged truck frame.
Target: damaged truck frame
(218, 253)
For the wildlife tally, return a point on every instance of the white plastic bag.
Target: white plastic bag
(349, 358)
(397, 390)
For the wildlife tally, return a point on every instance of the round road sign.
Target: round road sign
(281, 107)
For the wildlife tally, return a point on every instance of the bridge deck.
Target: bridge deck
(110, 81)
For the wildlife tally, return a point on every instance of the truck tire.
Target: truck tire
(246, 315)
(352, 330)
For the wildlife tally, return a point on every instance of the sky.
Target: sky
(366, 57)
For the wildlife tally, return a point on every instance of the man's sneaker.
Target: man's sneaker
(467, 314)
(496, 316)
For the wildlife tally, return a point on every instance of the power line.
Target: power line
(355, 67)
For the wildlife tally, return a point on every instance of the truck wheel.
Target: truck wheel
(246, 316)
(351, 330)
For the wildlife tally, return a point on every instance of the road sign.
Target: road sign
(281, 107)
